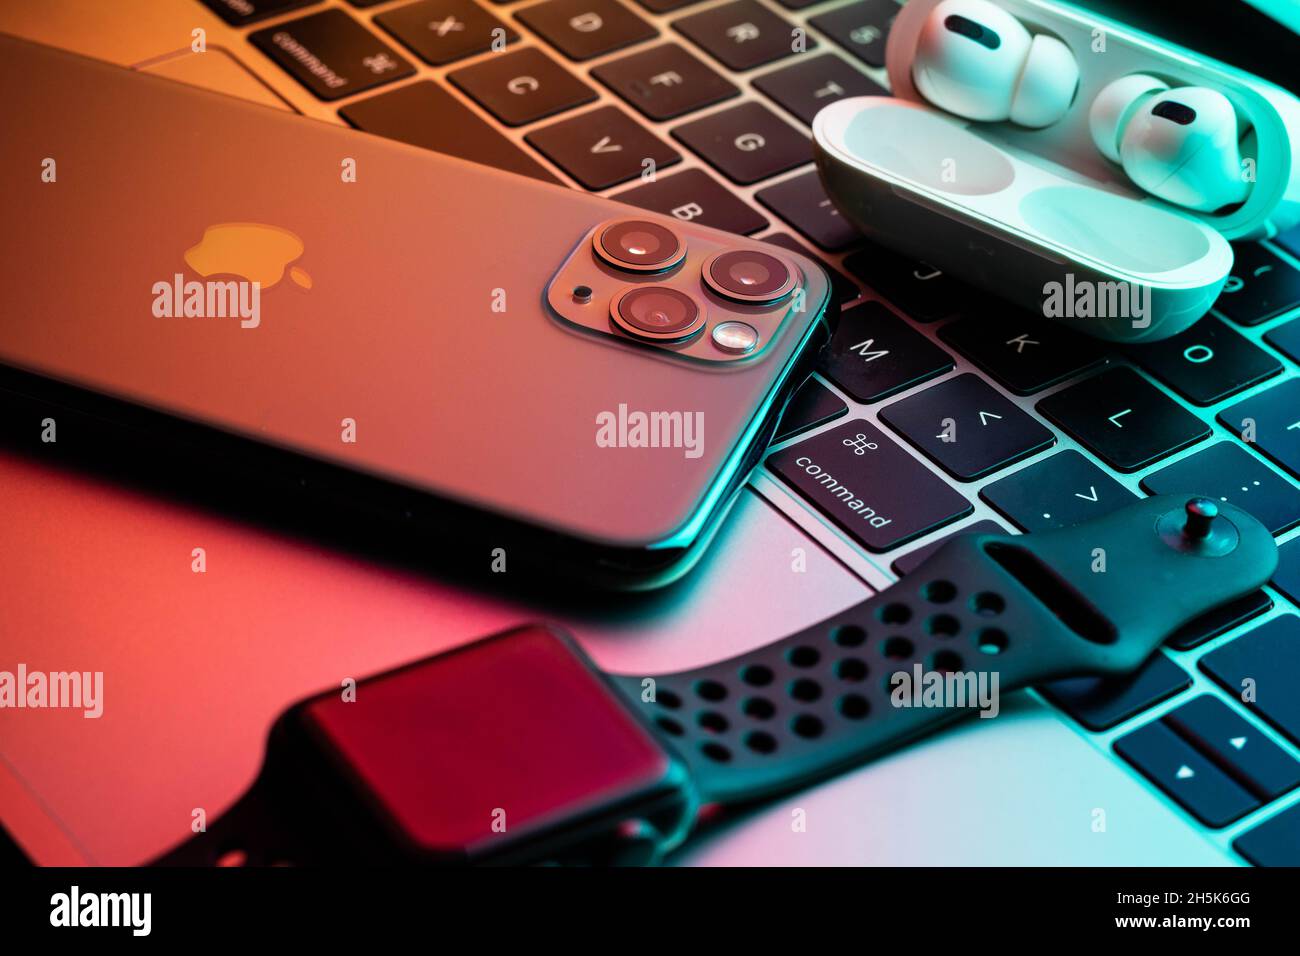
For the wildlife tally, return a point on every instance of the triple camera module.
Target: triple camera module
(705, 299)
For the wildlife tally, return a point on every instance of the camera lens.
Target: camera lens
(748, 275)
(657, 312)
(636, 245)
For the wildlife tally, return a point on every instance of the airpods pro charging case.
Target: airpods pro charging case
(1040, 217)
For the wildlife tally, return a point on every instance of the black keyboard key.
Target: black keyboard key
(1286, 339)
(802, 201)
(1206, 363)
(1275, 842)
(694, 196)
(426, 115)
(913, 559)
(877, 493)
(1057, 492)
(1173, 765)
(806, 86)
(875, 354)
(1262, 669)
(1123, 419)
(443, 31)
(1020, 350)
(1260, 287)
(1290, 240)
(919, 290)
(1287, 576)
(747, 142)
(522, 86)
(665, 82)
(602, 148)
(1227, 472)
(656, 6)
(1100, 703)
(861, 28)
(331, 54)
(743, 34)
(582, 29)
(1236, 747)
(842, 287)
(240, 13)
(814, 404)
(1270, 422)
(1219, 621)
(967, 427)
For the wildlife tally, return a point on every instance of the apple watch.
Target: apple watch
(517, 749)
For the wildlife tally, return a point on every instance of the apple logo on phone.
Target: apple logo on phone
(251, 250)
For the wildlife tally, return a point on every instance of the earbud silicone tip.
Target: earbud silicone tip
(1047, 84)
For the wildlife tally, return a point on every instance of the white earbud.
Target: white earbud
(976, 60)
(1180, 145)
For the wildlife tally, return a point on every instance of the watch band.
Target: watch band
(983, 615)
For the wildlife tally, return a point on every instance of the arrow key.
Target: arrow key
(1173, 765)
(602, 148)
(1238, 749)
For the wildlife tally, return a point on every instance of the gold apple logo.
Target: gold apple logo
(251, 250)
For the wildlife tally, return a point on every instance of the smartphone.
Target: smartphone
(501, 367)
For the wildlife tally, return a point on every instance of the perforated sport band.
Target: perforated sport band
(1095, 599)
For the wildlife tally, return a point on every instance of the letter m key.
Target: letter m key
(863, 349)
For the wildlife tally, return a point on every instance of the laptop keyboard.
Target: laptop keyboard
(1051, 427)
